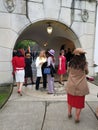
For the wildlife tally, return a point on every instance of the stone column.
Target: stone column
(96, 38)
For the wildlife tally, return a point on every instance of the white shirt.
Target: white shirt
(38, 65)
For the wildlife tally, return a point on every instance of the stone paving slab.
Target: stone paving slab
(23, 115)
(56, 118)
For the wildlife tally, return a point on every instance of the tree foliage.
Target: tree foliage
(24, 44)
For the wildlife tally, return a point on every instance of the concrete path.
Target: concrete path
(36, 110)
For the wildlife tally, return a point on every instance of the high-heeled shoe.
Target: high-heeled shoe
(19, 92)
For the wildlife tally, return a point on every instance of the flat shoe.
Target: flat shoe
(61, 83)
(49, 93)
(20, 94)
(69, 116)
(77, 121)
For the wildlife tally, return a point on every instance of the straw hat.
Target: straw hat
(78, 51)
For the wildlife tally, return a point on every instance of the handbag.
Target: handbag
(47, 70)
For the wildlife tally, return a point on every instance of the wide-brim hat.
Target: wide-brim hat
(79, 51)
(51, 52)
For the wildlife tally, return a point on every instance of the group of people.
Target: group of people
(76, 87)
(22, 69)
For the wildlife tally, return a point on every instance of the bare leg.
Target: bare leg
(77, 117)
(61, 78)
(20, 87)
(97, 112)
(18, 84)
(69, 110)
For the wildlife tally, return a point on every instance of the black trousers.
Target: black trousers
(37, 82)
(44, 81)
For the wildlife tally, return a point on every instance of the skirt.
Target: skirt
(19, 75)
(76, 101)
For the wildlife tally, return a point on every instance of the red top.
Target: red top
(18, 62)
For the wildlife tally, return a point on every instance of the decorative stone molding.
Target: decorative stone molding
(10, 5)
(84, 15)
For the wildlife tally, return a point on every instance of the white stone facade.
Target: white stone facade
(12, 25)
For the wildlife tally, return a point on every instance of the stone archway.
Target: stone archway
(61, 35)
(37, 31)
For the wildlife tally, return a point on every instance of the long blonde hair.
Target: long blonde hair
(42, 54)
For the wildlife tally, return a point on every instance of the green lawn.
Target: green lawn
(5, 92)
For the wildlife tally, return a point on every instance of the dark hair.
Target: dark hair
(62, 51)
(14, 53)
(78, 62)
(19, 54)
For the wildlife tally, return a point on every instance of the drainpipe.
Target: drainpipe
(72, 11)
(27, 11)
(96, 37)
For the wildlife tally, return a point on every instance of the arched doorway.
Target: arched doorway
(61, 35)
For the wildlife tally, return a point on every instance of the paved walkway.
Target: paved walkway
(36, 110)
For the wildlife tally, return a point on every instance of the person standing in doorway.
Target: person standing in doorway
(18, 63)
(68, 55)
(62, 66)
(28, 68)
(50, 77)
(77, 86)
(44, 75)
(41, 59)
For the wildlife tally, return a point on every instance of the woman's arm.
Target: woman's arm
(49, 61)
(60, 63)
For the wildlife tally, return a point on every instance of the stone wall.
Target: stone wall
(12, 25)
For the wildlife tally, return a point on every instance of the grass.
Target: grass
(5, 92)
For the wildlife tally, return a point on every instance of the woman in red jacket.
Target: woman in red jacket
(18, 63)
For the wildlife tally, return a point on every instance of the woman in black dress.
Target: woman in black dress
(28, 68)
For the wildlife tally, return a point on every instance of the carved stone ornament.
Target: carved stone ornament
(84, 15)
(10, 5)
